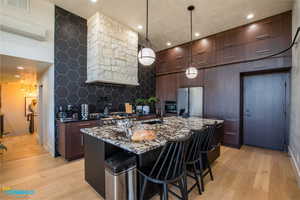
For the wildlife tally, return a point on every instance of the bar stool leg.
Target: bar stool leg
(183, 188)
(201, 172)
(143, 188)
(197, 179)
(209, 168)
(166, 192)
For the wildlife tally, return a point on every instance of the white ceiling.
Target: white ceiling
(8, 69)
(169, 19)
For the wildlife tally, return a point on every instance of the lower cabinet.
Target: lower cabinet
(71, 140)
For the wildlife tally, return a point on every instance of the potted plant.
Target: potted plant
(152, 101)
(139, 103)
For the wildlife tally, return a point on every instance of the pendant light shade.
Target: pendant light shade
(191, 72)
(146, 55)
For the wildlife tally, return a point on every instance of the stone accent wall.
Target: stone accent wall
(112, 52)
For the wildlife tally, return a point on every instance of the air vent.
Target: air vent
(20, 4)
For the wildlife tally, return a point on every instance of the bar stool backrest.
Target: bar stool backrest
(209, 137)
(195, 144)
(170, 163)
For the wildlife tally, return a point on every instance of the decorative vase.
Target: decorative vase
(146, 110)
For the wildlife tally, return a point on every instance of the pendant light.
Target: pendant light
(146, 55)
(191, 72)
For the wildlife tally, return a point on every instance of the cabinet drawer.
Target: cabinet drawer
(86, 124)
(230, 38)
(266, 29)
(231, 54)
(162, 66)
(265, 47)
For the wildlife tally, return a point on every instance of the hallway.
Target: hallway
(20, 147)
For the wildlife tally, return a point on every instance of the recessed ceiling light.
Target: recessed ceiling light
(94, 1)
(197, 34)
(169, 43)
(140, 27)
(20, 67)
(250, 16)
(17, 76)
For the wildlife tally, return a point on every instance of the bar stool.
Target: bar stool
(194, 158)
(206, 147)
(169, 168)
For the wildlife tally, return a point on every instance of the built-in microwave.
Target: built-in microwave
(170, 107)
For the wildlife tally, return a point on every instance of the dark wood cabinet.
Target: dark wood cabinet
(231, 54)
(268, 28)
(252, 41)
(167, 85)
(220, 60)
(183, 81)
(70, 139)
(203, 52)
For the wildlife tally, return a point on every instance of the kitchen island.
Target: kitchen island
(103, 142)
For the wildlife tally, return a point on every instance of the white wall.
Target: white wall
(294, 146)
(41, 16)
(13, 108)
(47, 110)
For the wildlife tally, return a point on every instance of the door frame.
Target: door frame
(287, 95)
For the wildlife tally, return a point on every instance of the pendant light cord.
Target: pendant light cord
(191, 21)
(147, 20)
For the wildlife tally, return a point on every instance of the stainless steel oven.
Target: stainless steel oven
(171, 107)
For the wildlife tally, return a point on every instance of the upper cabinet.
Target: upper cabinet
(173, 59)
(203, 52)
(247, 42)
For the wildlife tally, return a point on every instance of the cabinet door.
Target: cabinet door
(268, 28)
(203, 52)
(230, 46)
(77, 139)
(166, 87)
(264, 47)
(230, 38)
(231, 54)
(162, 64)
(183, 81)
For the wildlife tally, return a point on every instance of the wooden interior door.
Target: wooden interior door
(264, 110)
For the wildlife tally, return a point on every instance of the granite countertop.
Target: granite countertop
(172, 129)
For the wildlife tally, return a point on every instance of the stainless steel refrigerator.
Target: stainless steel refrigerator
(190, 101)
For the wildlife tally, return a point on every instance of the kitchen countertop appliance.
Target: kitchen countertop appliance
(171, 107)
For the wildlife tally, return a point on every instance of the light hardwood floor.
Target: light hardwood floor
(22, 146)
(246, 174)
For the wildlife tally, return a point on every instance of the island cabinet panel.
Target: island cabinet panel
(70, 141)
(94, 163)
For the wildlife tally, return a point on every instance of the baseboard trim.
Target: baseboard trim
(295, 165)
